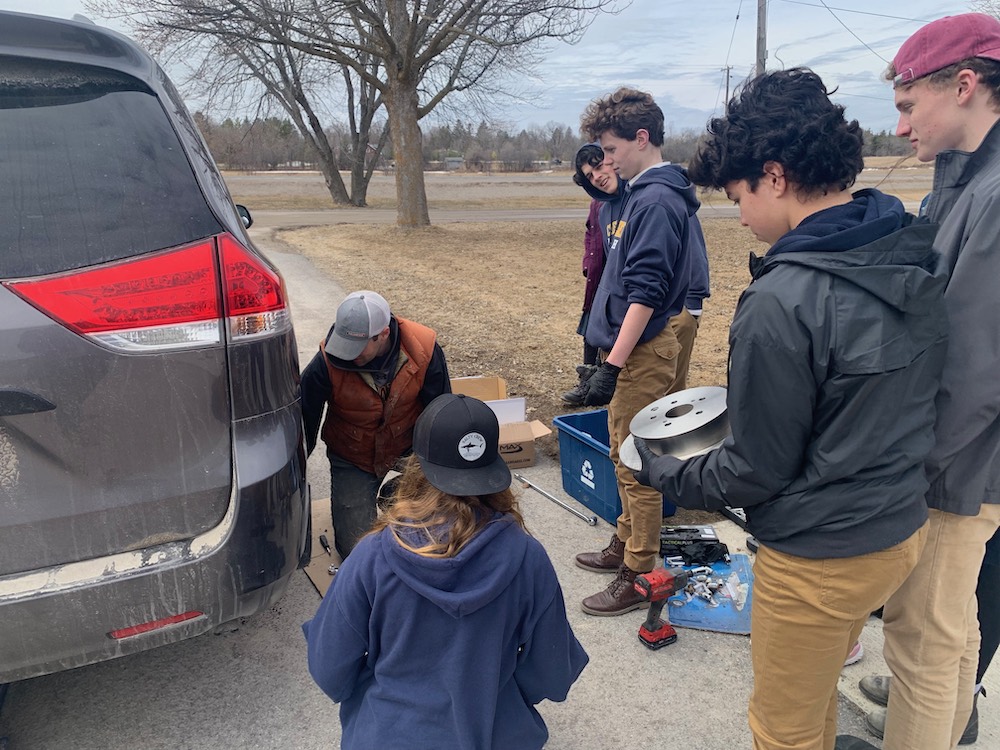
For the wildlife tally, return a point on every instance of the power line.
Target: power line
(851, 32)
(856, 12)
(862, 96)
(733, 36)
(727, 66)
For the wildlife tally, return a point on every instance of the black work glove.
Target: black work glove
(601, 386)
(646, 456)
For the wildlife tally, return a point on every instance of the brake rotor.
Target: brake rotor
(683, 424)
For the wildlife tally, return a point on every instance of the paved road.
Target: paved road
(275, 219)
(272, 219)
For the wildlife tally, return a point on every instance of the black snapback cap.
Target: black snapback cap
(457, 441)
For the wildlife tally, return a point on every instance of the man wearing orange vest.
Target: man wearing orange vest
(374, 373)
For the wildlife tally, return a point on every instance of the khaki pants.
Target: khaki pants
(932, 634)
(649, 373)
(806, 616)
(685, 328)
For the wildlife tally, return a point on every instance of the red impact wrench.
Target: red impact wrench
(656, 587)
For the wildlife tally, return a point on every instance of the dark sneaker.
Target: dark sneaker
(876, 688)
(607, 560)
(576, 395)
(875, 723)
(618, 598)
(971, 733)
(846, 742)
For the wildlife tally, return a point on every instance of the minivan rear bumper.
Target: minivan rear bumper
(62, 617)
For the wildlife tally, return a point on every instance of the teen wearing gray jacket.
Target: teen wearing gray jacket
(947, 91)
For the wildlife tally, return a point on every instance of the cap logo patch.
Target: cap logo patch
(472, 446)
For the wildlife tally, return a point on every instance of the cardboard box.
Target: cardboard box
(517, 435)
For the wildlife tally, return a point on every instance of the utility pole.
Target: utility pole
(761, 37)
(726, 71)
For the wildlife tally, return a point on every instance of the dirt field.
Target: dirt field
(505, 298)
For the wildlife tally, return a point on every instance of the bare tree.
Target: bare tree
(414, 53)
(991, 7)
(238, 67)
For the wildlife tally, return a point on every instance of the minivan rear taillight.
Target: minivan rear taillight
(168, 300)
(254, 294)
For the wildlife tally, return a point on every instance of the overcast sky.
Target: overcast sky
(677, 50)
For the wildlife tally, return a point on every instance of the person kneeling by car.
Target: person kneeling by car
(374, 374)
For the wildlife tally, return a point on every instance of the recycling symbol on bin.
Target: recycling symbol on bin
(587, 474)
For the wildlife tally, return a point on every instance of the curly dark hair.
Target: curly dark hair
(988, 72)
(591, 154)
(623, 113)
(784, 116)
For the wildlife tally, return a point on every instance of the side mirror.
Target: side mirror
(245, 216)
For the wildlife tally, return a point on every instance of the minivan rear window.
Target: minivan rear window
(90, 170)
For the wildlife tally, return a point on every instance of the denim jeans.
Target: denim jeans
(352, 502)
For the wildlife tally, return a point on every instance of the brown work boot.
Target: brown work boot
(605, 561)
(618, 598)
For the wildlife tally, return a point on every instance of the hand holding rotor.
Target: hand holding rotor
(646, 456)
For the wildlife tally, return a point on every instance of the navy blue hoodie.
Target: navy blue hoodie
(699, 288)
(445, 653)
(649, 257)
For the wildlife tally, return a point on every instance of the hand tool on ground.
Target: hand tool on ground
(325, 544)
(656, 587)
(592, 520)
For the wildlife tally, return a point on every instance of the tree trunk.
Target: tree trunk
(407, 148)
(328, 168)
(359, 185)
(334, 183)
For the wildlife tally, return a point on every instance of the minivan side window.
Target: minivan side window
(90, 170)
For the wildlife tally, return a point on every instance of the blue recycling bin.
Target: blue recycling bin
(587, 471)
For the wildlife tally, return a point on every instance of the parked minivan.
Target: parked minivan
(152, 469)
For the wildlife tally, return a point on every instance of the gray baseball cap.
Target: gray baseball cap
(360, 316)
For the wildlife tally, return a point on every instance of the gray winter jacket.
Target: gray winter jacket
(835, 355)
(964, 467)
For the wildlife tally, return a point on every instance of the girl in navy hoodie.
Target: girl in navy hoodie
(446, 625)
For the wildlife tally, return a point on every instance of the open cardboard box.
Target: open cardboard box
(517, 435)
